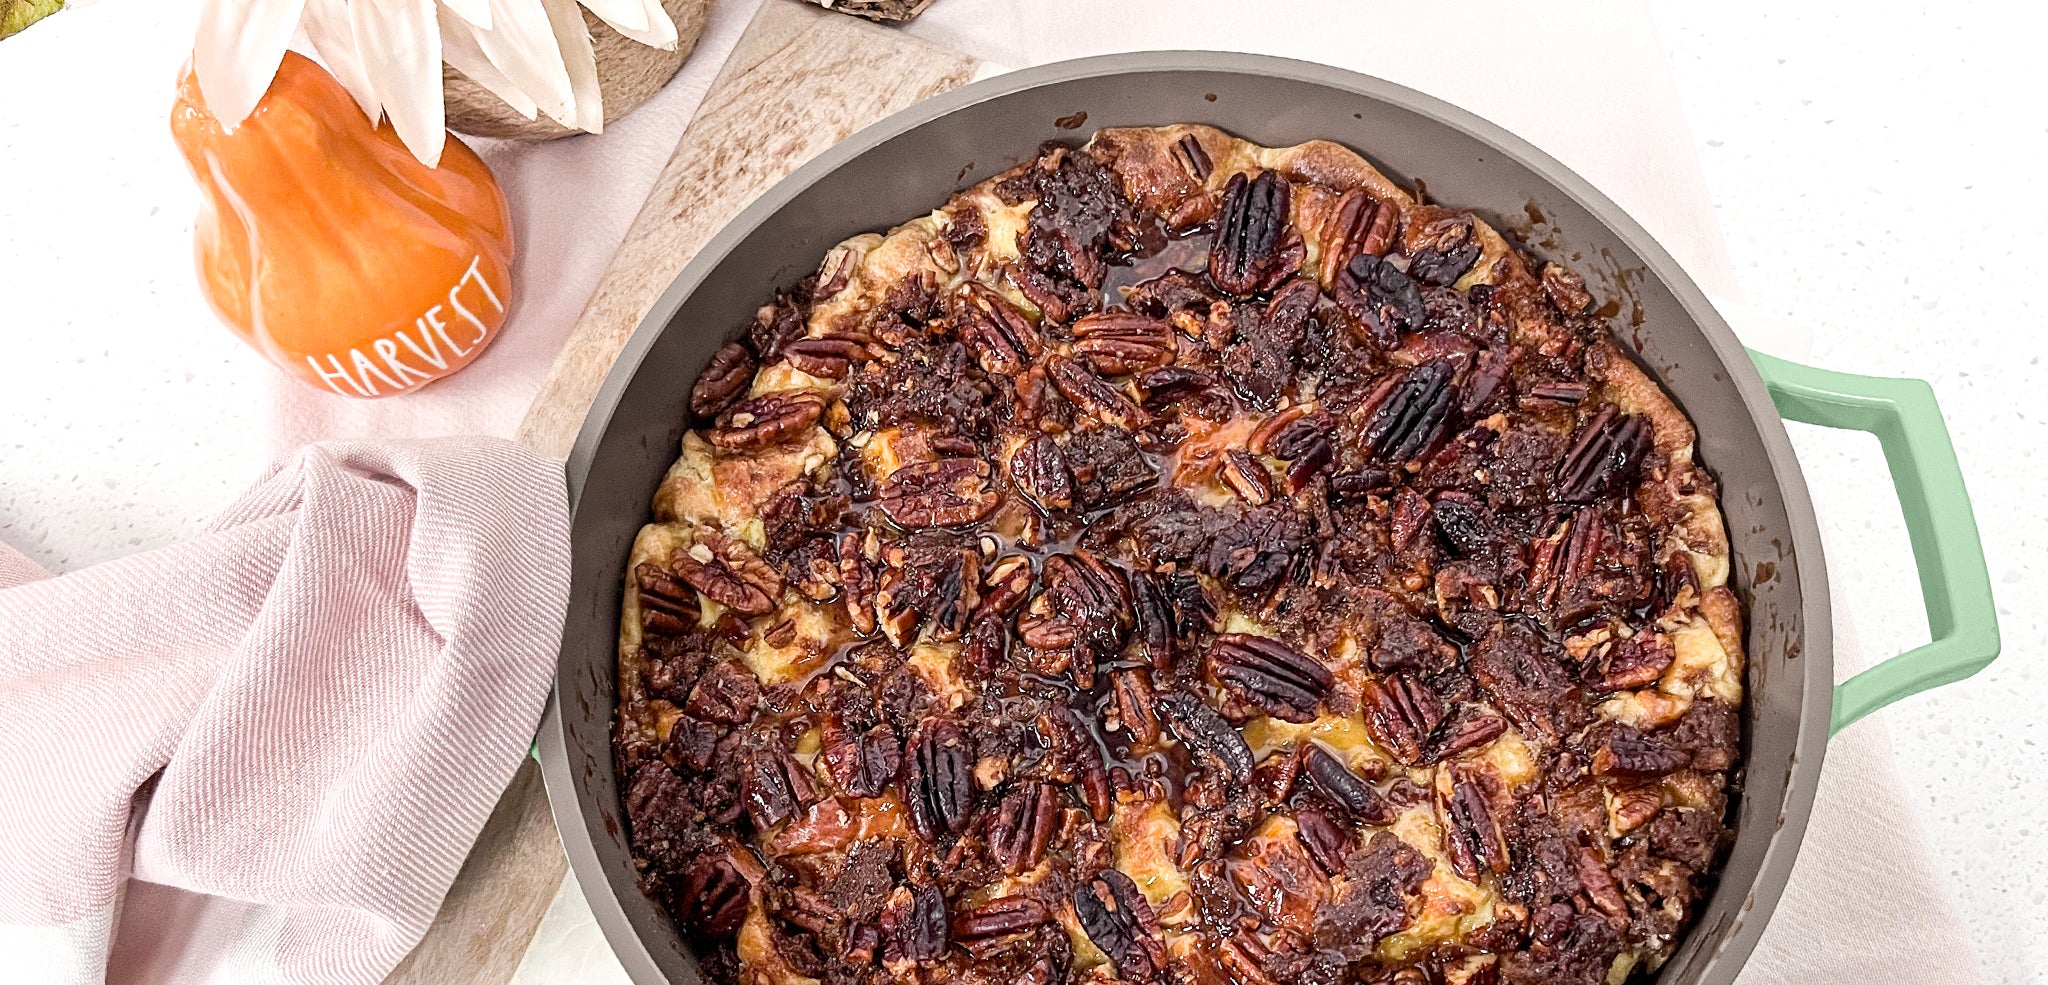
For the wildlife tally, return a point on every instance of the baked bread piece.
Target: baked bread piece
(1181, 560)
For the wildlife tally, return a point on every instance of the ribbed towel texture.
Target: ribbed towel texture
(262, 755)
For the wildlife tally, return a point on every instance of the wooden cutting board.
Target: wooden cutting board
(800, 79)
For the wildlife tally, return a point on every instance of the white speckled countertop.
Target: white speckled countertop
(1875, 172)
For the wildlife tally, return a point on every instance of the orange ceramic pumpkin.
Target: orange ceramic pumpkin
(329, 248)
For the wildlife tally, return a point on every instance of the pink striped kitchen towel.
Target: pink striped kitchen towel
(261, 756)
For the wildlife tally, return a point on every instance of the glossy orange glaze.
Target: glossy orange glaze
(327, 246)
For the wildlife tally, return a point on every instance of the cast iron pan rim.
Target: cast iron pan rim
(1817, 654)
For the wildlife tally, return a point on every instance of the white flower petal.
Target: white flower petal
(660, 31)
(574, 38)
(521, 43)
(624, 15)
(459, 49)
(236, 53)
(333, 38)
(476, 12)
(402, 53)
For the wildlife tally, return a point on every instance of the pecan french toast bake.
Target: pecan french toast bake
(1178, 560)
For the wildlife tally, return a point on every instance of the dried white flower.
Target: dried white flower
(533, 54)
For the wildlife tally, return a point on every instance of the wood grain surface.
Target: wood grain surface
(799, 80)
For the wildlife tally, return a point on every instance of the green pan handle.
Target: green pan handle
(1903, 415)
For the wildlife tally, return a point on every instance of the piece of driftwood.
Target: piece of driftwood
(877, 10)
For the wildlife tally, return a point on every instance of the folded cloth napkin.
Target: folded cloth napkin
(261, 756)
